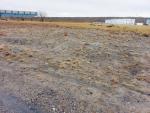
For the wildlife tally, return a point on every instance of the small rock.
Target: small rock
(54, 109)
(82, 108)
(46, 63)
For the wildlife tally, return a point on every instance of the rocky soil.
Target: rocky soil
(52, 69)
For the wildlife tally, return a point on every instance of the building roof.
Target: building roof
(148, 18)
(20, 12)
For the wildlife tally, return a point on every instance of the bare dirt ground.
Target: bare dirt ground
(46, 69)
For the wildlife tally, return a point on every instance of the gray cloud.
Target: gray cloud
(81, 8)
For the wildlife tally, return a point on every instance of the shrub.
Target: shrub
(65, 33)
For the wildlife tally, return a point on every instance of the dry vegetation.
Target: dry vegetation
(121, 28)
(76, 67)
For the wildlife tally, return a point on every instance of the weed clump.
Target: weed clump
(9, 60)
(47, 57)
(96, 76)
(65, 33)
(22, 60)
(30, 54)
(1, 48)
(115, 80)
(62, 65)
(101, 101)
(127, 85)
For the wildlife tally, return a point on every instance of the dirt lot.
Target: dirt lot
(46, 69)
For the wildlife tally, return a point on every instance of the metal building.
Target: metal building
(10, 13)
(121, 21)
(148, 21)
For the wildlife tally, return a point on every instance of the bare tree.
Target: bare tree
(41, 14)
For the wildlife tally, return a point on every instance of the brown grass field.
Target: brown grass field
(59, 67)
(121, 28)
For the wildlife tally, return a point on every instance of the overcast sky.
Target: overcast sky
(81, 8)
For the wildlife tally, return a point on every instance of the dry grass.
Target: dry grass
(1, 48)
(101, 101)
(121, 28)
(108, 62)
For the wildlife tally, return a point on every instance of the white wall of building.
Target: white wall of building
(107, 21)
(121, 21)
(148, 22)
